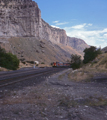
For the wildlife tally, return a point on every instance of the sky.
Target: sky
(84, 19)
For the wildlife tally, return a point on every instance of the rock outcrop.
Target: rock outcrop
(32, 49)
(19, 18)
(104, 49)
(77, 44)
(52, 34)
(22, 18)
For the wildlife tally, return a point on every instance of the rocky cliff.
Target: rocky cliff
(22, 18)
(104, 49)
(52, 34)
(19, 18)
(77, 44)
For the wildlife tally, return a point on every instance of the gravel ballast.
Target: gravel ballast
(55, 98)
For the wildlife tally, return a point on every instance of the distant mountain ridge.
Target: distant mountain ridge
(104, 49)
(22, 18)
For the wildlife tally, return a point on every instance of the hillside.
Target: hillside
(97, 69)
(40, 50)
(104, 49)
(101, 61)
(24, 29)
(77, 44)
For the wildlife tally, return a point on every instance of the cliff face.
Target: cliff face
(104, 49)
(54, 35)
(19, 18)
(77, 44)
(22, 18)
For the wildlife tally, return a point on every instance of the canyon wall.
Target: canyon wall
(22, 18)
(19, 18)
(52, 34)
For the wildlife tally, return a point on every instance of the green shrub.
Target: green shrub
(31, 62)
(8, 60)
(90, 54)
(76, 61)
(42, 63)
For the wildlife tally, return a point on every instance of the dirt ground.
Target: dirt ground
(56, 98)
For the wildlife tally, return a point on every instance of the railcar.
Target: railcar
(60, 64)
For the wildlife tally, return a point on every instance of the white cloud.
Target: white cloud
(90, 24)
(105, 30)
(79, 26)
(55, 21)
(59, 23)
(63, 23)
(82, 26)
(54, 26)
(94, 37)
(105, 36)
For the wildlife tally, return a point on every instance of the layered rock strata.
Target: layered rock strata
(19, 18)
(52, 34)
(22, 18)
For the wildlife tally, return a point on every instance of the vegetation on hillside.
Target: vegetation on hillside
(76, 61)
(91, 70)
(8, 60)
(89, 55)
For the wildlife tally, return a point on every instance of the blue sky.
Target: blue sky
(85, 19)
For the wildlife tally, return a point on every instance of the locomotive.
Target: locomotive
(60, 64)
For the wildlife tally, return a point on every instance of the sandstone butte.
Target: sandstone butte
(22, 18)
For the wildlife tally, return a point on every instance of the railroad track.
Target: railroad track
(16, 72)
(6, 80)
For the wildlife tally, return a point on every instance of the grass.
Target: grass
(88, 71)
(101, 61)
(100, 101)
(67, 101)
(106, 65)
(61, 76)
(80, 75)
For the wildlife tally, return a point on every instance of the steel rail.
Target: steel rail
(9, 76)
(24, 78)
(17, 72)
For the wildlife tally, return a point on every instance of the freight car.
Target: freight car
(60, 64)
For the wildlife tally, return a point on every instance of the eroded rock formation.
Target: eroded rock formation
(19, 18)
(53, 34)
(22, 18)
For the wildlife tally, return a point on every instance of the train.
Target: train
(60, 64)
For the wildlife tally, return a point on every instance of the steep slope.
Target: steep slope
(21, 26)
(100, 62)
(56, 35)
(40, 50)
(77, 44)
(104, 49)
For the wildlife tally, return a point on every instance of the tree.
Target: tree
(8, 60)
(76, 61)
(90, 54)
